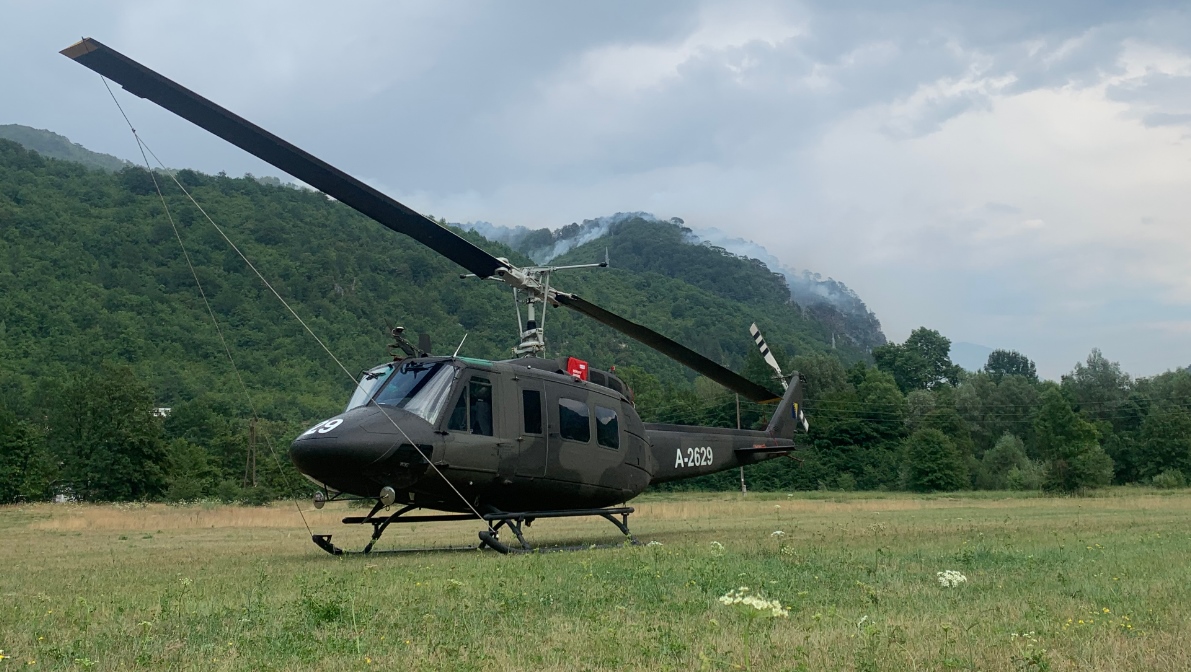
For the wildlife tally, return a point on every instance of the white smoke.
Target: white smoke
(563, 240)
(806, 287)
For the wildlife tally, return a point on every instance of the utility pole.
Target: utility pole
(743, 488)
(250, 462)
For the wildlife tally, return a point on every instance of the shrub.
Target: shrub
(1026, 477)
(228, 492)
(1171, 478)
(846, 482)
(1008, 454)
(1090, 468)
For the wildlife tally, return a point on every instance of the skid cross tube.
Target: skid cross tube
(490, 537)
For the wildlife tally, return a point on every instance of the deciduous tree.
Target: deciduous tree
(1002, 363)
(104, 432)
(923, 362)
(1069, 444)
(932, 462)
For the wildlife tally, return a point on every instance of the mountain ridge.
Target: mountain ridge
(825, 300)
(55, 146)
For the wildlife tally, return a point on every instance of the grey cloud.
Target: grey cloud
(480, 107)
(1001, 208)
(1166, 119)
(1169, 95)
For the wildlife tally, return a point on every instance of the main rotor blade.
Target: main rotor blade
(676, 351)
(145, 83)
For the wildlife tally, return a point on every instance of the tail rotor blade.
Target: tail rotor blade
(767, 354)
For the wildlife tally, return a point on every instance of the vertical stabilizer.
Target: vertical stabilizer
(789, 417)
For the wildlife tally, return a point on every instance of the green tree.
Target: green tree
(882, 405)
(992, 409)
(1165, 441)
(26, 470)
(945, 417)
(824, 374)
(647, 390)
(920, 404)
(923, 362)
(1002, 363)
(932, 462)
(1099, 390)
(1069, 445)
(104, 432)
(190, 473)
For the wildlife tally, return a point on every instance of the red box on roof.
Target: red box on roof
(577, 367)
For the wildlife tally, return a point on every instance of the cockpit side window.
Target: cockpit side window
(479, 391)
(458, 421)
(473, 411)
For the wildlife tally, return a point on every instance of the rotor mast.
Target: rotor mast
(534, 283)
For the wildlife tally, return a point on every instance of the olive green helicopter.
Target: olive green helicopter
(503, 442)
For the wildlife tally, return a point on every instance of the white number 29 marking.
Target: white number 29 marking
(701, 456)
(324, 426)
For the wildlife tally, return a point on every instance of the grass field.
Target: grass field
(1100, 583)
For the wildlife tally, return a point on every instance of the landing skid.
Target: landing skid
(490, 537)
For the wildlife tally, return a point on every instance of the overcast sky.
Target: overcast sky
(1017, 176)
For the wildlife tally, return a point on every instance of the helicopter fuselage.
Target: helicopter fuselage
(451, 433)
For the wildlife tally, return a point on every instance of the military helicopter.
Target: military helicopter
(505, 442)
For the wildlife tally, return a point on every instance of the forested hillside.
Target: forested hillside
(91, 273)
(101, 323)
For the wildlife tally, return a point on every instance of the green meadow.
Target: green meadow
(1089, 583)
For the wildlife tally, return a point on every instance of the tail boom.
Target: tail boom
(681, 451)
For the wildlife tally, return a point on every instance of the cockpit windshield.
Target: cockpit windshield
(369, 382)
(419, 387)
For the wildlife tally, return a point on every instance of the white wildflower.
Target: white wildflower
(777, 533)
(950, 578)
(715, 545)
(655, 542)
(771, 608)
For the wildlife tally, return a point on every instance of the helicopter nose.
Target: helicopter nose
(346, 453)
(336, 451)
